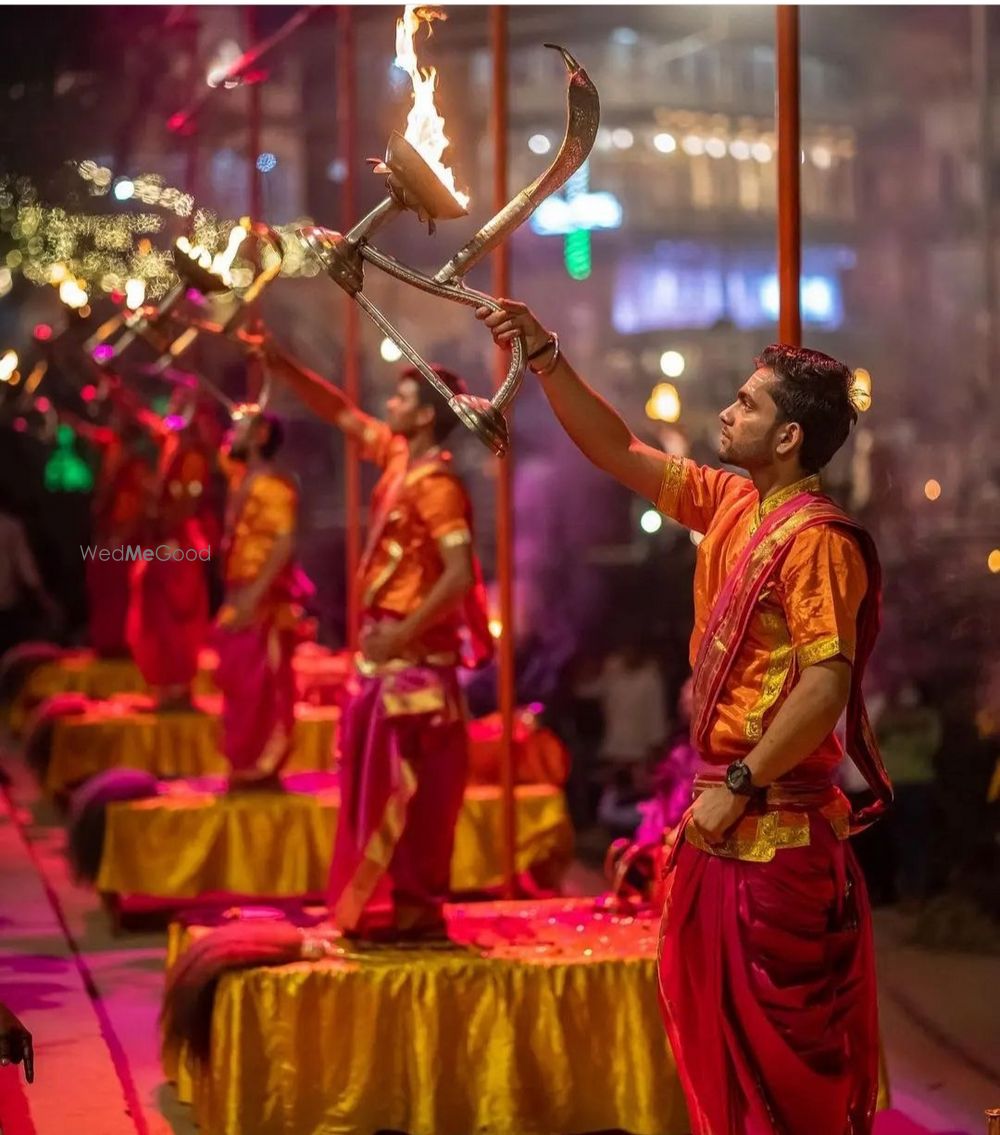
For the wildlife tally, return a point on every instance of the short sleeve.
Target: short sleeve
(443, 507)
(691, 493)
(378, 442)
(194, 471)
(277, 507)
(823, 581)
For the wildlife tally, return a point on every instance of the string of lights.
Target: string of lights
(86, 253)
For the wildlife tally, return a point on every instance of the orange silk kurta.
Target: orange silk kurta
(265, 508)
(182, 481)
(121, 486)
(415, 510)
(807, 614)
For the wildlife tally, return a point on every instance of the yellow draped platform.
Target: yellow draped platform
(83, 672)
(125, 732)
(275, 845)
(119, 734)
(541, 1020)
(320, 674)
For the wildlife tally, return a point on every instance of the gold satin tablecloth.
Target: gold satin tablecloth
(320, 676)
(83, 672)
(117, 734)
(542, 1020)
(278, 845)
(124, 732)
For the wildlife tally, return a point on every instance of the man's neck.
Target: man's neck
(775, 478)
(420, 445)
(257, 464)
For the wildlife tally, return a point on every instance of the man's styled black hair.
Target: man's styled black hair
(813, 389)
(444, 418)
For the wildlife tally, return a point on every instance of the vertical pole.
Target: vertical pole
(984, 97)
(191, 134)
(505, 474)
(254, 93)
(255, 372)
(347, 148)
(789, 174)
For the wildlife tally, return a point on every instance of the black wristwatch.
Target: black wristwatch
(739, 780)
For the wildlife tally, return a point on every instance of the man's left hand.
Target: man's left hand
(716, 810)
(241, 611)
(382, 643)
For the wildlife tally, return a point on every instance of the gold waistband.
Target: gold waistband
(783, 794)
(368, 669)
(783, 822)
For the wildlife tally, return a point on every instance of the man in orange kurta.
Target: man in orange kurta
(403, 746)
(168, 616)
(261, 620)
(766, 968)
(121, 485)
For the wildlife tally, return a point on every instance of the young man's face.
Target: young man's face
(240, 436)
(750, 425)
(405, 413)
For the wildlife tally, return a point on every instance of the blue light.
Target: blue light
(123, 189)
(587, 211)
(817, 297)
(770, 297)
(689, 285)
(818, 300)
(266, 162)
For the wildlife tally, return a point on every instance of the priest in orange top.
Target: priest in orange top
(767, 977)
(261, 619)
(403, 746)
(121, 483)
(168, 616)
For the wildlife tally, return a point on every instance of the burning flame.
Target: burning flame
(221, 264)
(424, 126)
(224, 260)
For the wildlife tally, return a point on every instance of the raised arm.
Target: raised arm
(594, 426)
(325, 400)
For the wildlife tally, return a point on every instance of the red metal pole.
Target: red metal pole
(254, 121)
(255, 370)
(347, 139)
(505, 472)
(789, 175)
(190, 26)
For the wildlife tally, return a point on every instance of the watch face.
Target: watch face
(737, 778)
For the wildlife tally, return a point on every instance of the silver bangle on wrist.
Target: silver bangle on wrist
(550, 366)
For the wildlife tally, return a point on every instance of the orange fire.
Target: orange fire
(424, 126)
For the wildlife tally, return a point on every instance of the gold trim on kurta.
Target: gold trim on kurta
(456, 539)
(810, 484)
(395, 550)
(413, 702)
(778, 664)
(369, 669)
(822, 651)
(674, 472)
(425, 468)
(756, 838)
(378, 851)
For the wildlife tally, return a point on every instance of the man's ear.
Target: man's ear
(789, 439)
(425, 415)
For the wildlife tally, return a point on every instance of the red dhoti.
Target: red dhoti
(257, 680)
(168, 616)
(403, 760)
(107, 585)
(767, 983)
